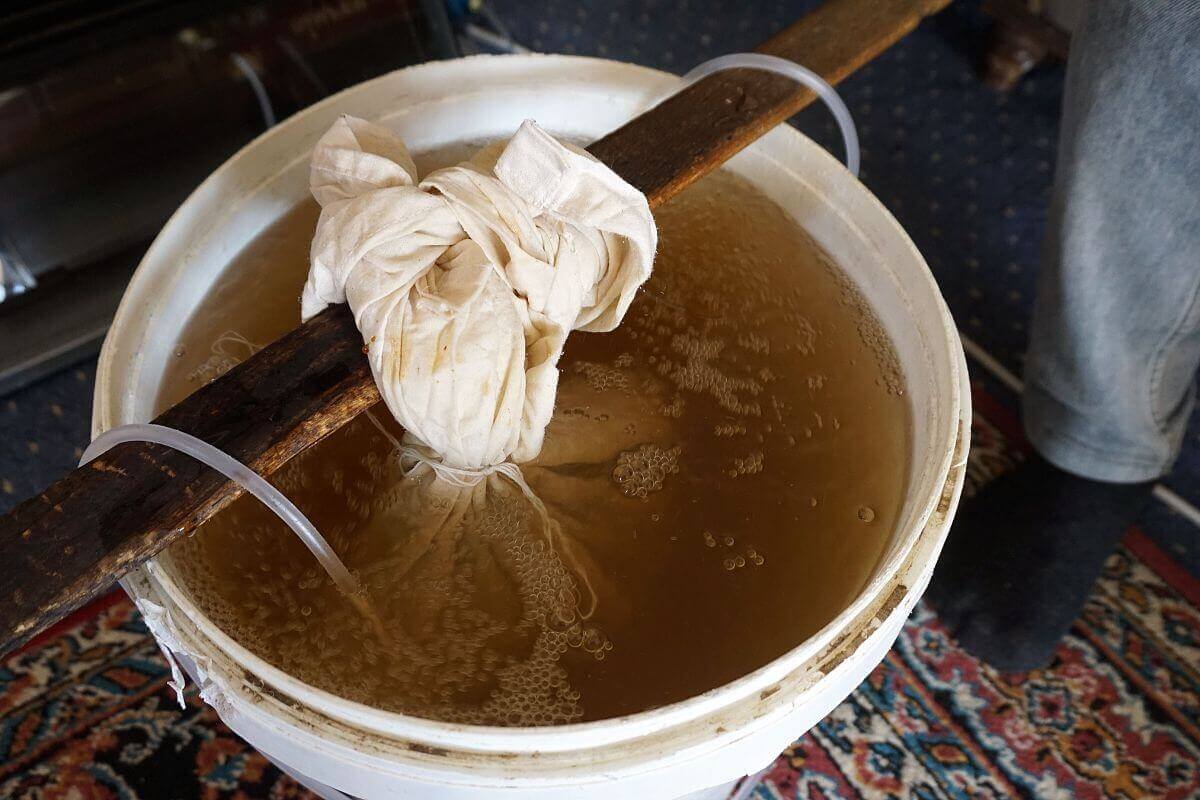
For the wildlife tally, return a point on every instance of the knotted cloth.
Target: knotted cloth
(466, 284)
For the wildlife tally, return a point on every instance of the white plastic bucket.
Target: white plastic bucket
(685, 748)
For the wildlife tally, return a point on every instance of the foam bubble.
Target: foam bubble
(641, 471)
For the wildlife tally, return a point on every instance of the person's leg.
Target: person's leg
(1114, 345)
(1115, 340)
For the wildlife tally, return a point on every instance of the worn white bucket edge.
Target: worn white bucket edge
(112, 408)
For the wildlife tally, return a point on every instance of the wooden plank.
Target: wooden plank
(87, 529)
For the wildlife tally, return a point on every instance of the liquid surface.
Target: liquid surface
(721, 475)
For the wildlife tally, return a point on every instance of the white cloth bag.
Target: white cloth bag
(466, 285)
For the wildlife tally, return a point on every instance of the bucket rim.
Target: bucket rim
(570, 736)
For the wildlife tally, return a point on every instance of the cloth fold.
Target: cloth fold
(466, 284)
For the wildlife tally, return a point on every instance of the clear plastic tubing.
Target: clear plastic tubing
(790, 69)
(240, 474)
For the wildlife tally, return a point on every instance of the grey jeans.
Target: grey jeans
(1115, 341)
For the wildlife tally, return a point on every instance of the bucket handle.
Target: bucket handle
(803, 75)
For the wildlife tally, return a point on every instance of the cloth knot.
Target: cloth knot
(462, 477)
(466, 284)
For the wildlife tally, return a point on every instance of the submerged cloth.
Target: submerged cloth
(485, 580)
(466, 285)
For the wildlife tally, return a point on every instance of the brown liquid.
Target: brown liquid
(726, 469)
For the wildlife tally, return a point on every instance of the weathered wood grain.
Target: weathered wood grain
(73, 540)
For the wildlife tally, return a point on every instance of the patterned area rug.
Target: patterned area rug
(85, 712)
